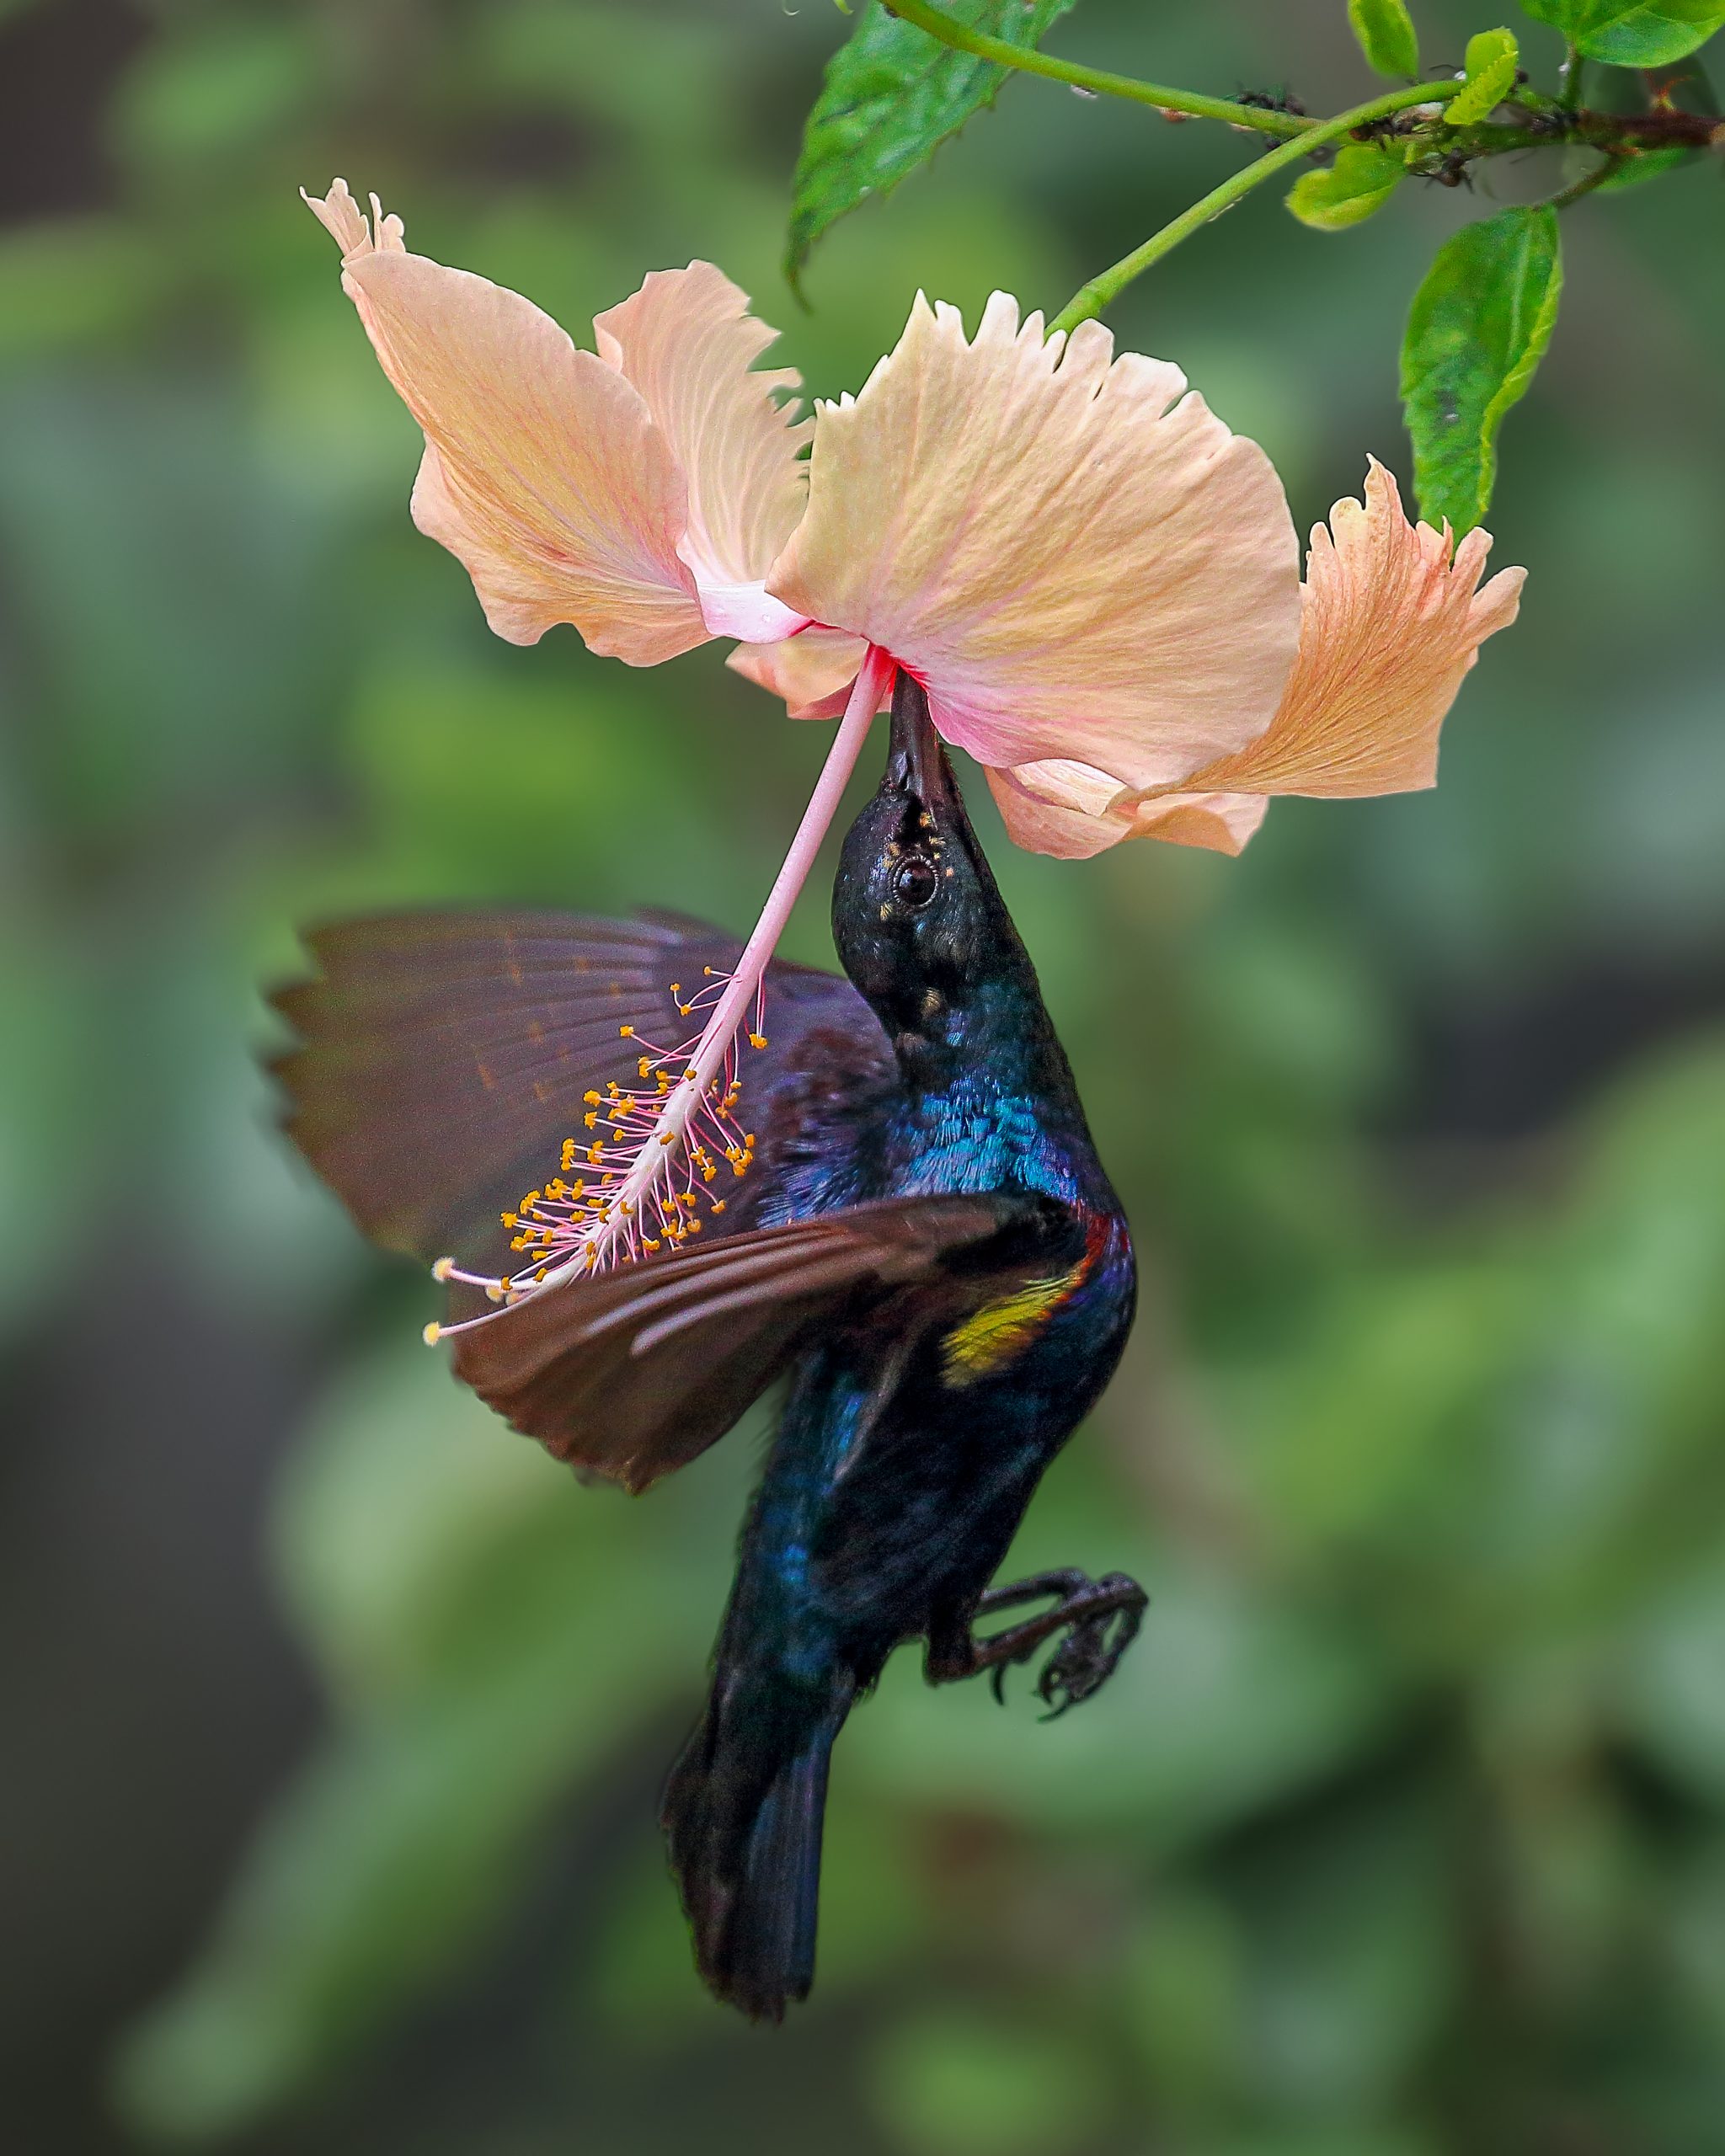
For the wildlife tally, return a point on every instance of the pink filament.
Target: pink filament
(713, 1053)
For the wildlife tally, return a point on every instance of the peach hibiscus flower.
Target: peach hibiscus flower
(1096, 582)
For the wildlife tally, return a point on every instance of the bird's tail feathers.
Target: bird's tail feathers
(742, 1815)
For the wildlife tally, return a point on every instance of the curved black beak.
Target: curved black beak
(916, 761)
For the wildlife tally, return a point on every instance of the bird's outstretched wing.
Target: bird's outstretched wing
(631, 1374)
(442, 1057)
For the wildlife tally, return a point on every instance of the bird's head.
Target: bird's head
(919, 923)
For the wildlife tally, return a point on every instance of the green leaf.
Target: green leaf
(893, 95)
(1386, 35)
(1644, 165)
(1361, 180)
(1632, 33)
(1491, 62)
(1479, 326)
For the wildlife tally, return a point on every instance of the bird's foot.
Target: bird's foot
(1086, 1659)
(1100, 1618)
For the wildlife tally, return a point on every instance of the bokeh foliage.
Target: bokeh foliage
(1402, 1828)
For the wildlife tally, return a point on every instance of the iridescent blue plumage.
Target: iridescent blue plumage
(926, 1251)
(916, 1429)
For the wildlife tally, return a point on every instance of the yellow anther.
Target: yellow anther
(432, 1334)
(626, 1033)
(591, 1096)
(443, 1269)
(757, 1040)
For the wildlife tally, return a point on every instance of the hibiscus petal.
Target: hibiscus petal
(813, 672)
(1071, 811)
(1073, 558)
(1392, 626)
(544, 474)
(688, 343)
(1221, 823)
(746, 611)
(1043, 816)
(345, 221)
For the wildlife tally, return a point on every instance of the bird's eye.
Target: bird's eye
(914, 881)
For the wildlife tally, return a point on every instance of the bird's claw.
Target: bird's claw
(1089, 1654)
(997, 1675)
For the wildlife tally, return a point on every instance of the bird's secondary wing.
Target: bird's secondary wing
(631, 1374)
(443, 1057)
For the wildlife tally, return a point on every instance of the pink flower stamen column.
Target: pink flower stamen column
(637, 1188)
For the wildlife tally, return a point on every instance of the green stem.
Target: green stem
(1029, 62)
(1585, 185)
(1092, 297)
(1569, 91)
(1551, 122)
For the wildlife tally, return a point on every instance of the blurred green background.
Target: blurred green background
(334, 1715)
